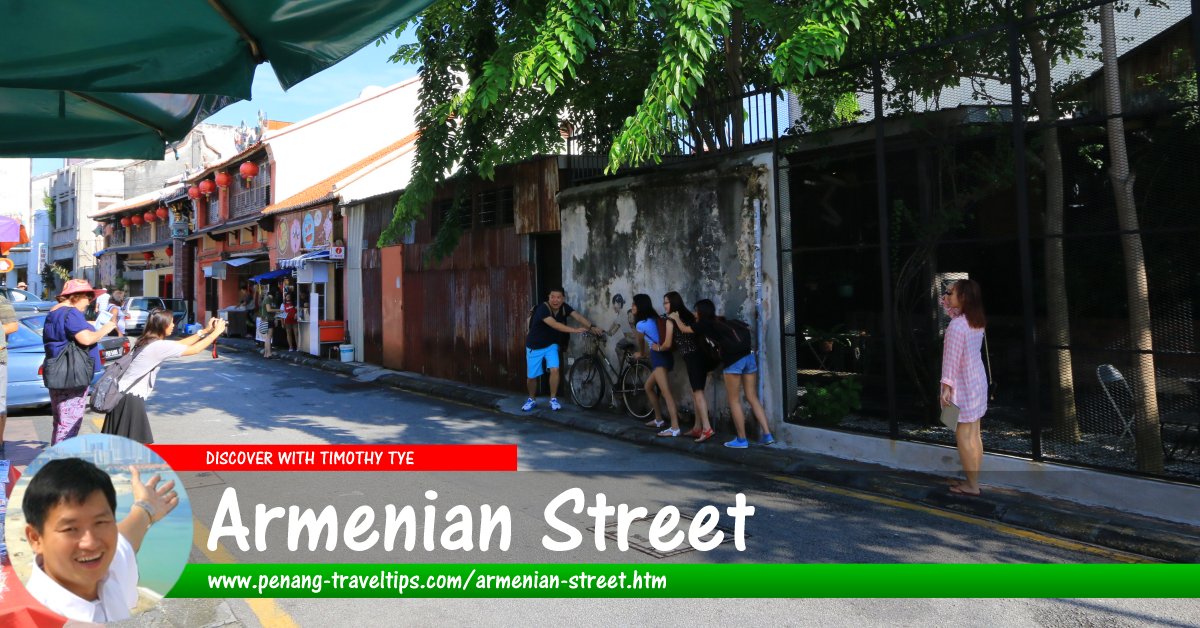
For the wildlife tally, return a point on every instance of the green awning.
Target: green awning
(185, 46)
(47, 123)
(97, 79)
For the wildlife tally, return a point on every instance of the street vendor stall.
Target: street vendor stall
(320, 328)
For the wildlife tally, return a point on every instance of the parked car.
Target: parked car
(25, 301)
(137, 310)
(26, 352)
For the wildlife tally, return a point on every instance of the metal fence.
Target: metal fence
(990, 148)
(959, 142)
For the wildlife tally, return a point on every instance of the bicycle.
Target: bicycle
(590, 374)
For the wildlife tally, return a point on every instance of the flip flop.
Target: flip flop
(958, 491)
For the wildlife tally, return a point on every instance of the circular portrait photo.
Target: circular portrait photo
(98, 528)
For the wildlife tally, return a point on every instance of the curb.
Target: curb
(1125, 532)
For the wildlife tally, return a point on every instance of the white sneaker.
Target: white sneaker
(554, 404)
(530, 404)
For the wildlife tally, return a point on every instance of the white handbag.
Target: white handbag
(949, 416)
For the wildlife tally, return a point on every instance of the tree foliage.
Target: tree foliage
(503, 80)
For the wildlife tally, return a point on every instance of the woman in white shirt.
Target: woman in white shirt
(129, 417)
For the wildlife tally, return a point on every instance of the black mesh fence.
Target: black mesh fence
(961, 143)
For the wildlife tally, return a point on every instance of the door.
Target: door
(547, 271)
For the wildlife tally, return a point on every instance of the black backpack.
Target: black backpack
(106, 394)
(737, 341)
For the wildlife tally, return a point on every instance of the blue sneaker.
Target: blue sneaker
(530, 404)
(767, 441)
(737, 443)
(554, 404)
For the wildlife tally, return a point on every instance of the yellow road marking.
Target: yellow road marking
(268, 612)
(1029, 535)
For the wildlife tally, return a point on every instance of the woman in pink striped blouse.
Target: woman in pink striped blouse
(964, 380)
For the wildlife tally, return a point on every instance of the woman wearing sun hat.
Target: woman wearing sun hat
(63, 325)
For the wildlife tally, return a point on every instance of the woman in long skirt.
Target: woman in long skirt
(129, 418)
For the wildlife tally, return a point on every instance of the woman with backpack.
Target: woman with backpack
(68, 376)
(655, 330)
(683, 336)
(740, 370)
(128, 418)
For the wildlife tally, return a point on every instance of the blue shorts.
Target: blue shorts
(745, 366)
(662, 358)
(534, 358)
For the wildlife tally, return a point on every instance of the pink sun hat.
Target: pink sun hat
(76, 286)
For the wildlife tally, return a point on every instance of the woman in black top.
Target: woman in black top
(684, 338)
(740, 371)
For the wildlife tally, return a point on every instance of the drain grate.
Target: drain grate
(639, 536)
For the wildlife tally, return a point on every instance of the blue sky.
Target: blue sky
(336, 85)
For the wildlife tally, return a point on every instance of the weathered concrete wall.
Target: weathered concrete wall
(690, 230)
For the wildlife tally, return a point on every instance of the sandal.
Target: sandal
(957, 490)
(705, 435)
(695, 432)
(655, 423)
(670, 432)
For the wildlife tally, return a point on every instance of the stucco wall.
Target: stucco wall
(690, 230)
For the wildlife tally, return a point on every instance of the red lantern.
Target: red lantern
(170, 250)
(223, 180)
(194, 193)
(161, 212)
(136, 220)
(248, 170)
(125, 221)
(207, 187)
(147, 256)
(149, 217)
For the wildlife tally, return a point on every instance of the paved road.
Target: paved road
(244, 399)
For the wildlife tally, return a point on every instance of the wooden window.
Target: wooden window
(495, 207)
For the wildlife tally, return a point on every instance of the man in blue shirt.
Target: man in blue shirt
(548, 333)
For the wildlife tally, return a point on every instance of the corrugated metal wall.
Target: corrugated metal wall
(376, 215)
(465, 317)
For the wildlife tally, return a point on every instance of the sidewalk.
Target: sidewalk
(1126, 532)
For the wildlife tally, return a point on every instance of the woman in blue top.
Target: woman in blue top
(660, 361)
(65, 323)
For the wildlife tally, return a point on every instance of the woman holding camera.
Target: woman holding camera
(129, 417)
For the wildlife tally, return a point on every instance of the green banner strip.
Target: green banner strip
(681, 581)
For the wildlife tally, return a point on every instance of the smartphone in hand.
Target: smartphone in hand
(102, 319)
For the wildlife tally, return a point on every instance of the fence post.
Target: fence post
(1020, 175)
(885, 262)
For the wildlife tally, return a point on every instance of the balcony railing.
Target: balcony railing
(249, 202)
(143, 234)
(63, 237)
(162, 231)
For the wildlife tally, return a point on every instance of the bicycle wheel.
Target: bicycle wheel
(586, 382)
(633, 382)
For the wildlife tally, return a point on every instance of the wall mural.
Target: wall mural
(306, 231)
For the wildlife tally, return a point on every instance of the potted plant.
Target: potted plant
(828, 404)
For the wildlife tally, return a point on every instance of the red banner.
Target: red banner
(339, 457)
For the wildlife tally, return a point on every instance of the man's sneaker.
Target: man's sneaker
(737, 443)
(530, 404)
(767, 440)
(554, 404)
